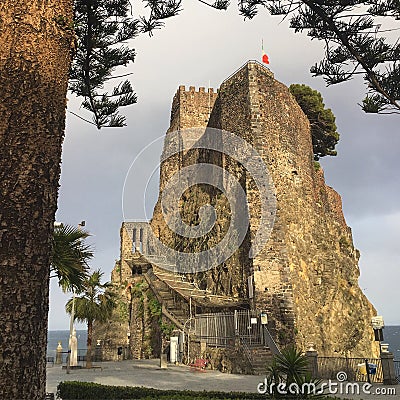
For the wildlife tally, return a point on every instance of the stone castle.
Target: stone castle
(301, 288)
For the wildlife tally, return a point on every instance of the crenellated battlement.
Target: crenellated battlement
(192, 89)
(192, 107)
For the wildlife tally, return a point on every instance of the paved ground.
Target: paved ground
(147, 373)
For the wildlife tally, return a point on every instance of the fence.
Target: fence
(52, 355)
(248, 327)
(329, 367)
(397, 369)
(215, 329)
(222, 329)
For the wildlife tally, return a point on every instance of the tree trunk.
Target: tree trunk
(35, 43)
(89, 344)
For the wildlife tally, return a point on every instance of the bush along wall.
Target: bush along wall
(94, 391)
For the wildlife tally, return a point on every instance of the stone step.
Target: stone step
(164, 291)
(160, 286)
(259, 371)
(178, 315)
(177, 312)
(265, 354)
(262, 363)
(165, 295)
(185, 288)
(261, 352)
(168, 303)
(261, 359)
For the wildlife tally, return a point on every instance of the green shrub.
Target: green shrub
(94, 391)
(86, 390)
(291, 367)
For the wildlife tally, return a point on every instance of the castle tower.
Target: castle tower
(191, 108)
(306, 276)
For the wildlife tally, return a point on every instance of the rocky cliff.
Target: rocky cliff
(306, 276)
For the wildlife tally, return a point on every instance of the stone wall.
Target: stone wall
(135, 324)
(231, 360)
(306, 277)
(191, 108)
(126, 251)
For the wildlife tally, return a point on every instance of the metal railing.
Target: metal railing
(222, 329)
(270, 342)
(216, 329)
(51, 356)
(397, 369)
(329, 367)
(246, 351)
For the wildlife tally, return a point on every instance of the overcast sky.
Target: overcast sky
(200, 46)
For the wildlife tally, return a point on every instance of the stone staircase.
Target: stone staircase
(260, 357)
(175, 293)
(171, 308)
(187, 290)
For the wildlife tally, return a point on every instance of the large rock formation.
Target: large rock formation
(306, 276)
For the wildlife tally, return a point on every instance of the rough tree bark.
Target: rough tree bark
(89, 344)
(35, 46)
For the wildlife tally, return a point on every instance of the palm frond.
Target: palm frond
(70, 256)
(95, 301)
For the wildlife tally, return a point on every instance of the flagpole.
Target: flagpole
(264, 57)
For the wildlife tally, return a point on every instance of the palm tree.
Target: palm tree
(70, 256)
(95, 303)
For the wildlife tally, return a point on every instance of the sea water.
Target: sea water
(53, 337)
(391, 335)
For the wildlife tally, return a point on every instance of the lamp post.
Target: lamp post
(71, 321)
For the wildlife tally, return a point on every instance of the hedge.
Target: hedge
(93, 391)
(73, 390)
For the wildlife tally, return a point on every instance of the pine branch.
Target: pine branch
(101, 28)
(350, 26)
(344, 38)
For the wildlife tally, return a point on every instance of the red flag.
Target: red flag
(265, 58)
